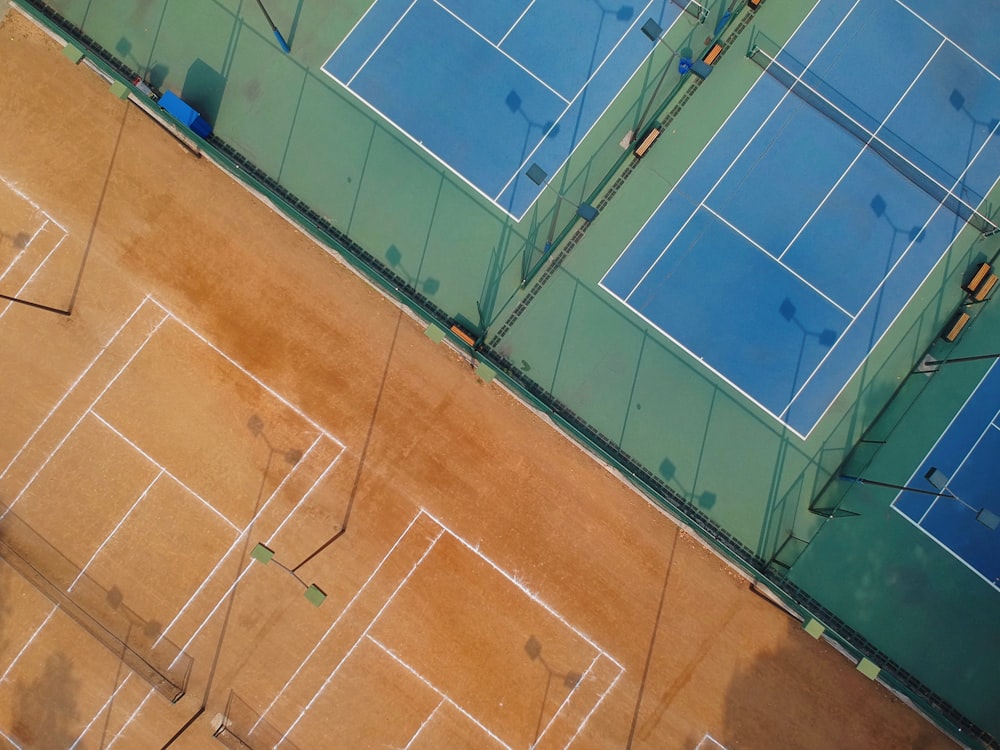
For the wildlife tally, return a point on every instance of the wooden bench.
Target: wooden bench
(647, 142)
(463, 334)
(982, 271)
(955, 327)
(985, 288)
(713, 54)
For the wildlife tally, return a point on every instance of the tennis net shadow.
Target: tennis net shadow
(100, 612)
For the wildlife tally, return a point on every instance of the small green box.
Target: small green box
(73, 53)
(119, 90)
(262, 554)
(814, 627)
(485, 372)
(868, 668)
(434, 333)
(315, 595)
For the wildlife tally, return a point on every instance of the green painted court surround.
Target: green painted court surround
(622, 388)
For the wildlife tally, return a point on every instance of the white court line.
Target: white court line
(381, 41)
(239, 537)
(735, 159)
(439, 692)
(342, 613)
(12, 186)
(443, 529)
(27, 283)
(881, 284)
(284, 401)
(815, 289)
(582, 90)
(709, 738)
(566, 700)
(27, 643)
(590, 713)
(72, 387)
(524, 12)
(428, 720)
(10, 266)
(164, 470)
(526, 591)
(961, 464)
(336, 669)
(496, 47)
(152, 691)
(113, 531)
(494, 199)
(11, 741)
(950, 41)
(101, 710)
(924, 461)
(82, 417)
(864, 148)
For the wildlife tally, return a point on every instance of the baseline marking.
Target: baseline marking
(163, 469)
(341, 615)
(82, 417)
(105, 707)
(364, 634)
(27, 643)
(436, 690)
(111, 534)
(72, 387)
(427, 721)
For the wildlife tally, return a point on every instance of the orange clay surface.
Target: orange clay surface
(223, 381)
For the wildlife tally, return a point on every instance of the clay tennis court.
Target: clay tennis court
(221, 381)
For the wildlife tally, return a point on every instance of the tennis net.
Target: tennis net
(811, 89)
(694, 8)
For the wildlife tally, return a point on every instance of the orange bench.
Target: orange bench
(713, 54)
(753, 4)
(463, 334)
(647, 142)
(985, 288)
(955, 327)
(982, 271)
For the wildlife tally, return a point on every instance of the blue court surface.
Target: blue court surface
(965, 517)
(789, 247)
(490, 88)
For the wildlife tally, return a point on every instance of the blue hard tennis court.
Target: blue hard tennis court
(789, 247)
(492, 88)
(952, 495)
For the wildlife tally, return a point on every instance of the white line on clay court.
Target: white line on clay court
(568, 697)
(395, 657)
(71, 388)
(350, 651)
(531, 595)
(83, 416)
(105, 707)
(430, 717)
(164, 470)
(28, 643)
(114, 531)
